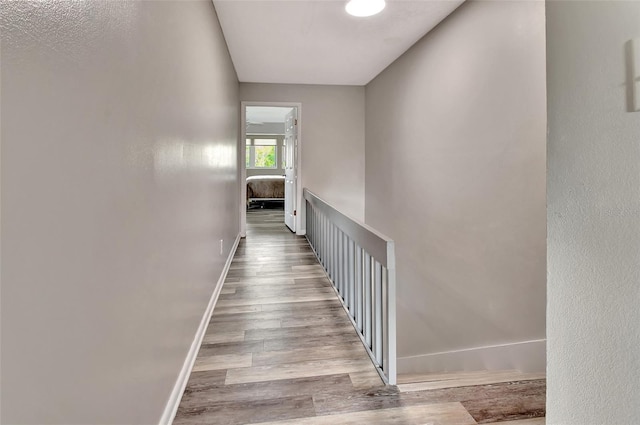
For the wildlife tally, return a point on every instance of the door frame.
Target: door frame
(242, 166)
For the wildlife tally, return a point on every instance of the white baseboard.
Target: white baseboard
(526, 356)
(178, 389)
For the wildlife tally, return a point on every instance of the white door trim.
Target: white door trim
(300, 222)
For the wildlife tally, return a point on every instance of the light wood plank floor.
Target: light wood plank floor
(280, 350)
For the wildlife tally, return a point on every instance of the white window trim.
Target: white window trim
(252, 152)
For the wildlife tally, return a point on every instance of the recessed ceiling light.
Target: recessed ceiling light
(362, 8)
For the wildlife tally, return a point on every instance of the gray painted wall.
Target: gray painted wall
(455, 174)
(265, 128)
(119, 179)
(594, 216)
(332, 127)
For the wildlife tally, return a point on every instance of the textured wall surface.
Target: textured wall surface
(455, 174)
(332, 138)
(119, 179)
(594, 216)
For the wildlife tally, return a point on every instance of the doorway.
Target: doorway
(270, 169)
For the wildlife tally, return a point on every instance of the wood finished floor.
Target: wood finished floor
(280, 349)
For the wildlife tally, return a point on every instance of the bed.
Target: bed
(265, 188)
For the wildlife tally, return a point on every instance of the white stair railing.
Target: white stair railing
(360, 262)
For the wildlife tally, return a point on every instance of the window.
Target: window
(263, 151)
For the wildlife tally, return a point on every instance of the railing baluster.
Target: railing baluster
(385, 314)
(359, 287)
(345, 264)
(347, 271)
(374, 323)
(322, 242)
(340, 263)
(328, 249)
(378, 312)
(385, 319)
(313, 228)
(327, 244)
(390, 366)
(308, 220)
(336, 243)
(339, 269)
(367, 300)
(332, 252)
(351, 278)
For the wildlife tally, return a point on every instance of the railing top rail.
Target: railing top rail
(379, 246)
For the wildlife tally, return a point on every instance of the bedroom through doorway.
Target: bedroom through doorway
(270, 162)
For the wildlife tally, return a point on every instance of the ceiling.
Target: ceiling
(317, 42)
(263, 114)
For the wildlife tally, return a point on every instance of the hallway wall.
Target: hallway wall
(455, 174)
(119, 179)
(594, 215)
(332, 138)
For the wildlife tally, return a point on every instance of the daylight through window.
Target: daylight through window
(263, 151)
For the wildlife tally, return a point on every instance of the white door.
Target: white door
(290, 170)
